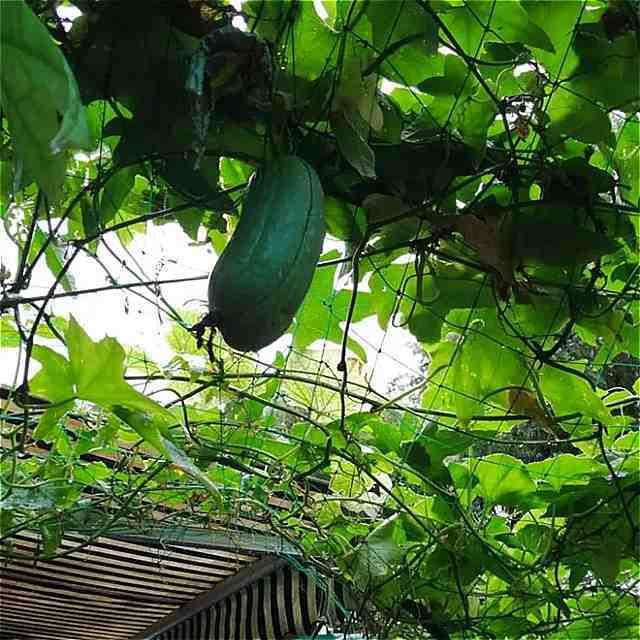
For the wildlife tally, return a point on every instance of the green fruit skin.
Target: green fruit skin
(265, 271)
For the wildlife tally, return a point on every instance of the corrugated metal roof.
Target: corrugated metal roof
(112, 588)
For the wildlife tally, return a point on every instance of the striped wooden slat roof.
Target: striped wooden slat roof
(117, 586)
(110, 589)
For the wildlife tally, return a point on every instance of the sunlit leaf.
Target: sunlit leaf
(566, 468)
(504, 479)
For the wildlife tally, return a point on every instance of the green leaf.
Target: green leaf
(447, 287)
(427, 452)
(146, 425)
(456, 80)
(434, 509)
(234, 173)
(607, 565)
(98, 113)
(55, 380)
(467, 28)
(9, 336)
(49, 423)
(626, 160)
(609, 68)
(474, 118)
(506, 21)
(309, 433)
(511, 23)
(152, 427)
(504, 479)
(51, 533)
(570, 393)
(343, 222)
(353, 146)
(474, 371)
(311, 36)
(114, 193)
(574, 245)
(348, 480)
(91, 473)
(98, 368)
(191, 183)
(386, 436)
(95, 372)
(189, 220)
(576, 178)
(90, 220)
(37, 89)
(559, 21)
(566, 469)
(574, 116)
(409, 34)
(576, 630)
(380, 553)
(609, 330)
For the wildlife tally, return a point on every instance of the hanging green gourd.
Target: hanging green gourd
(264, 273)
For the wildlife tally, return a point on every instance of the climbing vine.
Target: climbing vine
(480, 164)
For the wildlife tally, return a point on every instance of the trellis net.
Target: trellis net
(450, 424)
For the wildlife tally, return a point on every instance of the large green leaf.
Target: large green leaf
(114, 193)
(408, 37)
(342, 220)
(55, 380)
(474, 118)
(94, 372)
(558, 19)
(609, 68)
(427, 452)
(573, 115)
(569, 393)
(478, 22)
(470, 374)
(504, 479)
(566, 469)
(313, 45)
(40, 97)
(381, 552)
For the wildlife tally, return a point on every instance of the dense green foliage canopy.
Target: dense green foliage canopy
(481, 164)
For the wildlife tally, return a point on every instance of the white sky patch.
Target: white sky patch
(321, 10)
(387, 86)
(446, 51)
(68, 13)
(164, 253)
(522, 68)
(239, 23)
